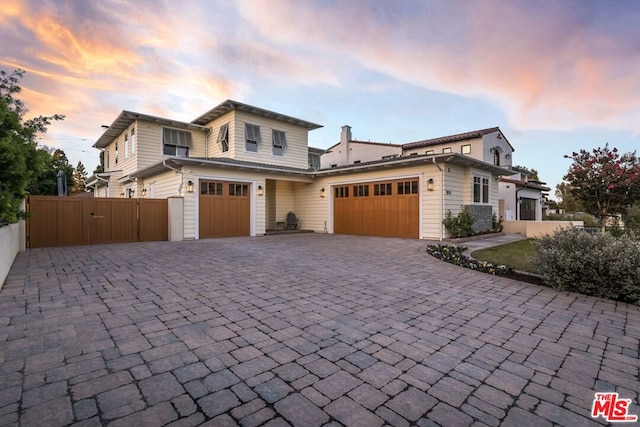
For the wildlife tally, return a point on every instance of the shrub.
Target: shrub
(460, 225)
(453, 254)
(497, 224)
(599, 265)
(589, 220)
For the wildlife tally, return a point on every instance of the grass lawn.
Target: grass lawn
(517, 255)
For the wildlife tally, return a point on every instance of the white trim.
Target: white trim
(252, 203)
(481, 175)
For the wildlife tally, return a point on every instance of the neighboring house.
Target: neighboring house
(521, 198)
(240, 169)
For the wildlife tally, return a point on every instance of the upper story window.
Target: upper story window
(480, 188)
(314, 161)
(496, 157)
(279, 143)
(126, 145)
(132, 140)
(176, 142)
(116, 156)
(446, 150)
(252, 137)
(466, 149)
(223, 138)
(429, 152)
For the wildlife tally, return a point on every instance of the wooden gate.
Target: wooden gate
(67, 221)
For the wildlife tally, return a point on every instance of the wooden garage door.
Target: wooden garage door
(388, 209)
(224, 209)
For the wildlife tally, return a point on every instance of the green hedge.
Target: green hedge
(599, 265)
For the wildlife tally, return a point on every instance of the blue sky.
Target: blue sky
(556, 76)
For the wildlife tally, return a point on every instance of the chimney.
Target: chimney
(345, 138)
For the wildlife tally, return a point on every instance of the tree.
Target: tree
(100, 167)
(79, 179)
(568, 201)
(604, 181)
(19, 159)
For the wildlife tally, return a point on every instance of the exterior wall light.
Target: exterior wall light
(430, 184)
(144, 192)
(189, 186)
(323, 193)
(122, 195)
(260, 190)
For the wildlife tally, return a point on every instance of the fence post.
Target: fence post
(176, 218)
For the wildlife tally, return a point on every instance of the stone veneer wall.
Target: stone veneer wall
(483, 217)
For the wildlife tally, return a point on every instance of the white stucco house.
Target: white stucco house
(521, 198)
(239, 170)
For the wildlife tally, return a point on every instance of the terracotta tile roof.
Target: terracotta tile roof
(451, 138)
(355, 141)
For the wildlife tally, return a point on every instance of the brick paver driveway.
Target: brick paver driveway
(305, 330)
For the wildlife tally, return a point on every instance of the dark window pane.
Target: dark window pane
(346, 192)
(376, 189)
(203, 188)
(407, 187)
(414, 187)
(400, 188)
(366, 191)
(219, 189)
(389, 189)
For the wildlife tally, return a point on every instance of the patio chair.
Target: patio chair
(292, 221)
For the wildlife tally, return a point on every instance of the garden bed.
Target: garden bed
(474, 237)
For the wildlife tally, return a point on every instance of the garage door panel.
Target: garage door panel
(378, 209)
(224, 209)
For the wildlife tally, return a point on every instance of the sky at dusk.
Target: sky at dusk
(555, 76)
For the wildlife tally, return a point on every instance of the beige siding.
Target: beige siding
(296, 153)
(149, 144)
(285, 195)
(214, 149)
(492, 140)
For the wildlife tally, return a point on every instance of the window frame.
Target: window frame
(254, 138)
(132, 140)
(465, 149)
(483, 184)
(177, 145)
(223, 138)
(446, 150)
(126, 145)
(280, 145)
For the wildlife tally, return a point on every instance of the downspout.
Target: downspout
(441, 198)
(164, 163)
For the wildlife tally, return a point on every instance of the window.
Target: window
(408, 187)
(446, 150)
(496, 157)
(357, 162)
(238, 190)
(314, 161)
(116, 153)
(392, 156)
(429, 152)
(413, 154)
(126, 145)
(279, 143)
(176, 142)
(480, 189)
(361, 190)
(342, 192)
(466, 149)
(211, 188)
(252, 138)
(223, 138)
(382, 189)
(132, 140)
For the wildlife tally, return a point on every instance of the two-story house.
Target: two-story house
(240, 169)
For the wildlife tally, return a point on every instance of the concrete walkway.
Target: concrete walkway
(302, 330)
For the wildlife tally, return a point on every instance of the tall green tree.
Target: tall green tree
(45, 181)
(19, 160)
(568, 201)
(79, 178)
(604, 181)
(533, 173)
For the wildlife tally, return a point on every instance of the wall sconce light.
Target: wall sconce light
(144, 192)
(122, 195)
(189, 186)
(260, 191)
(430, 184)
(323, 193)
(132, 192)
(507, 156)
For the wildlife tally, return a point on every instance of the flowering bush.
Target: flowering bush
(600, 265)
(453, 254)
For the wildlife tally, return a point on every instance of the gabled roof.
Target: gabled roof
(354, 141)
(230, 105)
(124, 120)
(533, 184)
(454, 138)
